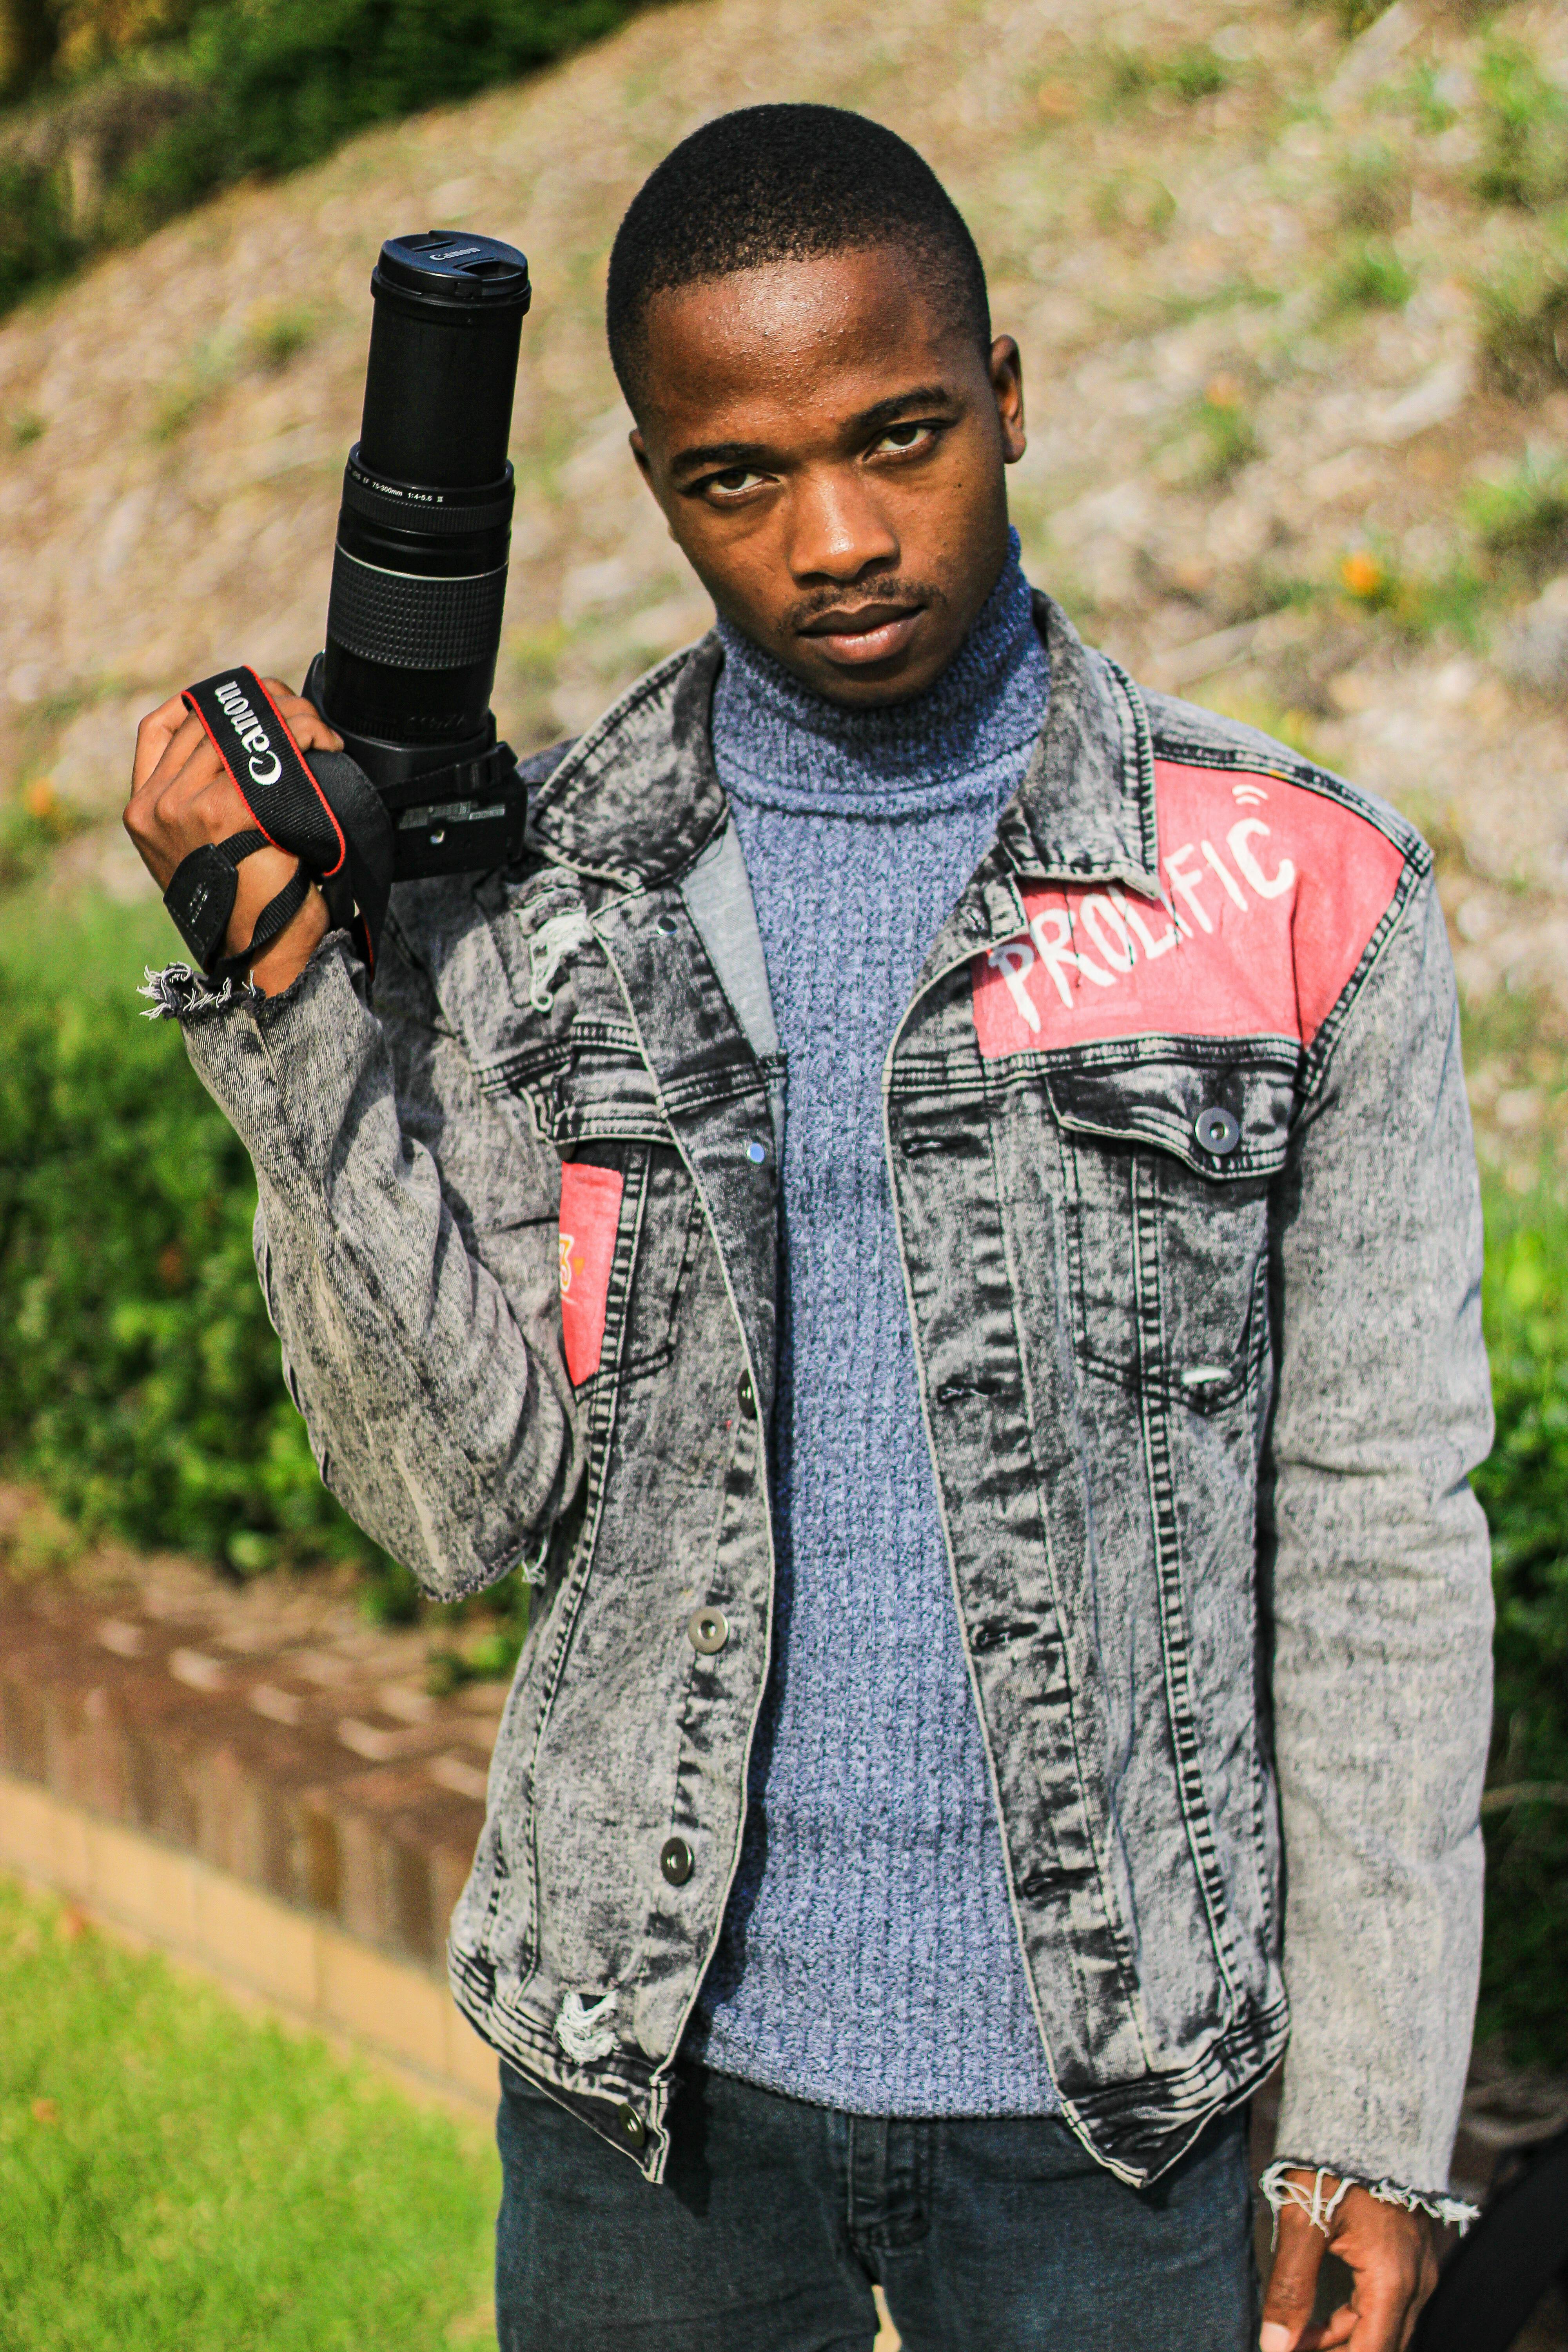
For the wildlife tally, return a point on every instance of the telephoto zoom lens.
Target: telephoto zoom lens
(419, 569)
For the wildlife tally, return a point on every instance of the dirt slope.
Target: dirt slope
(1171, 202)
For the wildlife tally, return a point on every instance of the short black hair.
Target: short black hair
(782, 184)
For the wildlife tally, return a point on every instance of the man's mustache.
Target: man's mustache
(893, 589)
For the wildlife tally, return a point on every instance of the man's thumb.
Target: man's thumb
(1292, 2282)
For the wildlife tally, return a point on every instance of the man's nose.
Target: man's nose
(836, 528)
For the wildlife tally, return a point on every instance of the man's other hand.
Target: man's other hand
(1392, 2259)
(181, 795)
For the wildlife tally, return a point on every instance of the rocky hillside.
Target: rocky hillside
(1294, 315)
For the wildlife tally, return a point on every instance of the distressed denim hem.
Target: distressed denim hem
(179, 992)
(1320, 2209)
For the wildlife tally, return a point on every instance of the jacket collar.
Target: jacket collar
(638, 798)
(1085, 810)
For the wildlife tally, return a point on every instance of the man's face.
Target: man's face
(828, 447)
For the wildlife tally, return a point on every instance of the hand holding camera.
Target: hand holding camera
(227, 811)
(184, 799)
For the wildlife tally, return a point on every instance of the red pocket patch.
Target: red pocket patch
(590, 1212)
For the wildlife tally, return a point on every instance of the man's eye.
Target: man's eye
(733, 481)
(904, 437)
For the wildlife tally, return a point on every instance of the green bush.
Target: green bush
(139, 1379)
(37, 243)
(282, 83)
(1524, 1488)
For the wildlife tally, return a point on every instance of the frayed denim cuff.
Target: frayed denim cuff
(1322, 2200)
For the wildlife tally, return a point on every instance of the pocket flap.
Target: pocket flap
(1223, 1115)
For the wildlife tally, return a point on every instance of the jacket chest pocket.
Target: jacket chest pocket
(1169, 1166)
(629, 1230)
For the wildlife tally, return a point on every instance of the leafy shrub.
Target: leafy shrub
(287, 80)
(248, 86)
(1524, 129)
(36, 241)
(1524, 1489)
(139, 1377)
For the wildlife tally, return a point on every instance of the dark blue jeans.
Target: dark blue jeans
(994, 2234)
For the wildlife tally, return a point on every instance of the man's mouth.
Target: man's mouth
(866, 635)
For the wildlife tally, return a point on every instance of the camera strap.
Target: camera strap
(327, 815)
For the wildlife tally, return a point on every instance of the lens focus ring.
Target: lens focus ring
(411, 623)
(444, 514)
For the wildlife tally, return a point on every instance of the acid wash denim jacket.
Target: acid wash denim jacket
(1187, 1211)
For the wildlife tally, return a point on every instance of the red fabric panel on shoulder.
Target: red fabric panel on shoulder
(590, 1212)
(1272, 893)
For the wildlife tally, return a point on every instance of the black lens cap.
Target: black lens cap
(441, 265)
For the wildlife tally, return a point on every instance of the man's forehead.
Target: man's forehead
(826, 336)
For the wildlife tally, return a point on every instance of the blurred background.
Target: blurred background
(1290, 281)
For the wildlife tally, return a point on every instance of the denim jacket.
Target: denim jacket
(1187, 1211)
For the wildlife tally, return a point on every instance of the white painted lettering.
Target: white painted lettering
(1012, 960)
(1151, 946)
(1187, 884)
(1057, 951)
(1117, 952)
(1241, 850)
(1214, 858)
(1086, 964)
(268, 775)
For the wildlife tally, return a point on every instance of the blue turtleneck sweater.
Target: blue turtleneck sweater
(869, 1961)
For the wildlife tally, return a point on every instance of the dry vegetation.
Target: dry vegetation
(1295, 319)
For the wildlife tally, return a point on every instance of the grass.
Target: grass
(1370, 275)
(1523, 311)
(1521, 519)
(1223, 432)
(1374, 190)
(177, 2178)
(1189, 75)
(1524, 130)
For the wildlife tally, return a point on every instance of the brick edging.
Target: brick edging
(301, 1967)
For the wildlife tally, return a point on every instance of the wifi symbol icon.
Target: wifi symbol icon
(1249, 795)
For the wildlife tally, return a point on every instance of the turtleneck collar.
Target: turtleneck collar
(779, 745)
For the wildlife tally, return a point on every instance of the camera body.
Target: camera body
(420, 566)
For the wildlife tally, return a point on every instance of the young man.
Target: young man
(1010, 1649)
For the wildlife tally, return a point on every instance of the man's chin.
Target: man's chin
(864, 685)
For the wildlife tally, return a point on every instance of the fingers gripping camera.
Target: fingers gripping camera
(325, 815)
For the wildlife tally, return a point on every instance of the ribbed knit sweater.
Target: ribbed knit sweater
(869, 1961)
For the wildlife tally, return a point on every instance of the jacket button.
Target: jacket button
(677, 1861)
(707, 1630)
(756, 1153)
(634, 2131)
(667, 927)
(1218, 1131)
(748, 1396)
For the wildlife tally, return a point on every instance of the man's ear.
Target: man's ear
(1007, 383)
